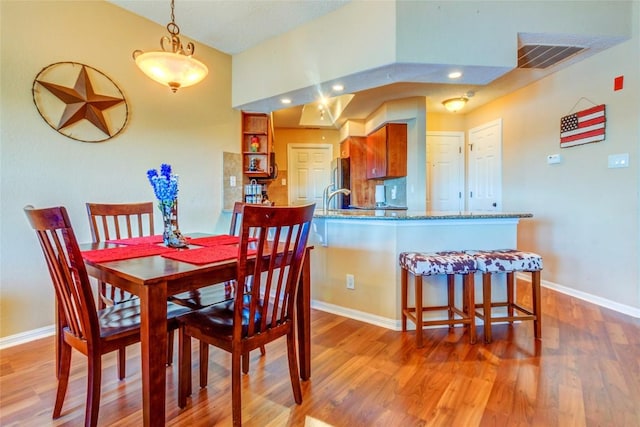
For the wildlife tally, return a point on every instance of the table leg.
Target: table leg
(303, 317)
(153, 345)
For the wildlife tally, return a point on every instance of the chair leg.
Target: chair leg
(486, 305)
(94, 379)
(204, 364)
(245, 363)
(184, 367)
(122, 360)
(403, 281)
(469, 299)
(418, 281)
(537, 304)
(263, 351)
(293, 367)
(236, 402)
(64, 365)
(169, 347)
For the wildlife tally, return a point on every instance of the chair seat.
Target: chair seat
(506, 261)
(433, 263)
(121, 319)
(204, 297)
(217, 319)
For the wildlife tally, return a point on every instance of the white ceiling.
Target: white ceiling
(233, 26)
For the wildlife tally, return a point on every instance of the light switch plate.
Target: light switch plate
(232, 181)
(553, 159)
(618, 160)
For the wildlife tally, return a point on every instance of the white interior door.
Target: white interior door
(445, 171)
(485, 167)
(309, 167)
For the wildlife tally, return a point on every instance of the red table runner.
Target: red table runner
(206, 255)
(124, 252)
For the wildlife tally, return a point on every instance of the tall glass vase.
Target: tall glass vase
(171, 235)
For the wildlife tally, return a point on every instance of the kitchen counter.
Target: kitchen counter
(365, 245)
(391, 214)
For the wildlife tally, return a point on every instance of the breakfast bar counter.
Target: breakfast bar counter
(365, 244)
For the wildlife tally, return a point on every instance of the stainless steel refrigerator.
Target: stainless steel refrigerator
(341, 179)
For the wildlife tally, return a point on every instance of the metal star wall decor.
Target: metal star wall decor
(80, 102)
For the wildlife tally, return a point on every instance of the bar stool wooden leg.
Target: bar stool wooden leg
(451, 296)
(418, 282)
(486, 306)
(537, 310)
(510, 295)
(468, 297)
(404, 289)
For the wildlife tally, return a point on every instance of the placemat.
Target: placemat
(222, 239)
(124, 252)
(206, 255)
(144, 240)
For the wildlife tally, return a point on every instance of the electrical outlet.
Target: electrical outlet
(351, 281)
(232, 181)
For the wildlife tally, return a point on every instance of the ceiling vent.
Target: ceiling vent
(543, 56)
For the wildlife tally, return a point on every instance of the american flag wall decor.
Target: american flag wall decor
(583, 127)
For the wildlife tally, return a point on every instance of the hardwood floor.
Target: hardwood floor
(584, 372)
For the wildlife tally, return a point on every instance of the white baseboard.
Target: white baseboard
(372, 319)
(602, 302)
(24, 337)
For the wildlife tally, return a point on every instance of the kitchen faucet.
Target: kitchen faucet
(328, 195)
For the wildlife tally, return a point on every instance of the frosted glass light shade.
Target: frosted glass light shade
(454, 104)
(171, 69)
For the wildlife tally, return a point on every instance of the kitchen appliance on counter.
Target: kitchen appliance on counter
(341, 177)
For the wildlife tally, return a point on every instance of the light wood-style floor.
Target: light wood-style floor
(585, 372)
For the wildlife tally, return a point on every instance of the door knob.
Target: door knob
(494, 204)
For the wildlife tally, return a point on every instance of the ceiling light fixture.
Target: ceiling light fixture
(174, 65)
(286, 100)
(455, 104)
(454, 74)
(337, 88)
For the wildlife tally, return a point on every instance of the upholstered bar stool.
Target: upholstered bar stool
(420, 264)
(508, 261)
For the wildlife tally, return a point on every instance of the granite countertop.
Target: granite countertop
(381, 214)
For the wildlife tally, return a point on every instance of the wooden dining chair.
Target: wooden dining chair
(260, 315)
(90, 331)
(112, 221)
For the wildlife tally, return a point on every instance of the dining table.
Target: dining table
(153, 272)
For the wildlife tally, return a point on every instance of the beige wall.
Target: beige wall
(189, 129)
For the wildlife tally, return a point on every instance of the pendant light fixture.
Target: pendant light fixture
(173, 66)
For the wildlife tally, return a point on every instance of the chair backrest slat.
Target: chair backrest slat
(67, 270)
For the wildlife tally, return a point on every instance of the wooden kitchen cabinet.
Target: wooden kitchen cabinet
(387, 152)
(256, 145)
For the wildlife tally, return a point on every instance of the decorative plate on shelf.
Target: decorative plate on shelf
(80, 102)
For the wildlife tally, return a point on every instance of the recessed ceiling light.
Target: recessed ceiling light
(454, 75)
(338, 87)
(285, 101)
